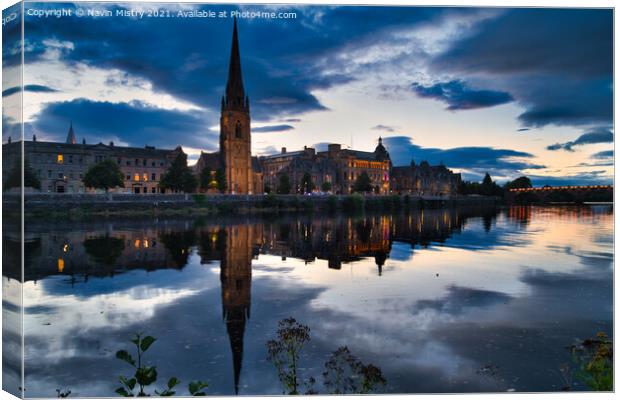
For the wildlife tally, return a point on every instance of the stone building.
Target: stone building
(337, 166)
(424, 180)
(61, 167)
(242, 171)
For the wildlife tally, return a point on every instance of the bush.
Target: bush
(353, 203)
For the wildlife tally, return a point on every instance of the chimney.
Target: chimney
(333, 149)
(34, 138)
(83, 140)
(111, 143)
(10, 139)
(283, 150)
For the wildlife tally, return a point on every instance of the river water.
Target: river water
(454, 300)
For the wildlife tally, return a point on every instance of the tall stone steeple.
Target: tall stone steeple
(235, 98)
(235, 136)
(71, 139)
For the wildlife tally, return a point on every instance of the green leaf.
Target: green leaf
(172, 382)
(196, 386)
(146, 343)
(146, 375)
(131, 383)
(125, 356)
(122, 392)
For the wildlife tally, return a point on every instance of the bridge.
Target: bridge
(562, 194)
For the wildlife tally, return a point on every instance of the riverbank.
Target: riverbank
(112, 204)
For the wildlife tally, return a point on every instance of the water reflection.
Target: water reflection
(443, 276)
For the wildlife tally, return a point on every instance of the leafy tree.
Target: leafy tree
(522, 182)
(104, 175)
(15, 179)
(284, 185)
(363, 183)
(205, 178)
(326, 186)
(306, 185)
(179, 176)
(220, 180)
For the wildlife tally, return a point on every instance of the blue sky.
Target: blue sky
(508, 91)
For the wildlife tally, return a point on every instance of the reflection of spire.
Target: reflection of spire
(236, 279)
(235, 326)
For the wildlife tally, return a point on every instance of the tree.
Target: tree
(363, 183)
(220, 180)
(104, 175)
(179, 176)
(205, 178)
(326, 186)
(15, 179)
(284, 185)
(522, 182)
(488, 187)
(306, 185)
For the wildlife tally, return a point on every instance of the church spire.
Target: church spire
(71, 135)
(235, 94)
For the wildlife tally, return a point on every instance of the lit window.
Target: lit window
(136, 177)
(59, 159)
(145, 177)
(61, 264)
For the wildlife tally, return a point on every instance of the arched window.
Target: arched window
(238, 129)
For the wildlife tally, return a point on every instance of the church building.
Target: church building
(242, 171)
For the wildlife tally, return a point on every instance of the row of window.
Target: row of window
(79, 159)
(145, 177)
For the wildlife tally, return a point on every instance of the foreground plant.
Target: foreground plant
(146, 375)
(344, 372)
(595, 358)
(284, 352)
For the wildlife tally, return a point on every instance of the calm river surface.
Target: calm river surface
(434, 298)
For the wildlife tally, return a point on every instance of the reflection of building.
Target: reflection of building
(424, 179)
(236, 279)
(337, 166)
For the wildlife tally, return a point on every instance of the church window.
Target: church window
(238, 129)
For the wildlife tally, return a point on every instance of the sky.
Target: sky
(509, 91)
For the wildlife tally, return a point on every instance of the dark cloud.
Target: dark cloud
(283, 62)
(28, 88)
(593, 136)
(403, 151)
(273, 128)
(564, 79)
(135, 123)
(597, 177)
(459, 298)
(385, 128)
(523, 129)
(458, 96)
(601, 155)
